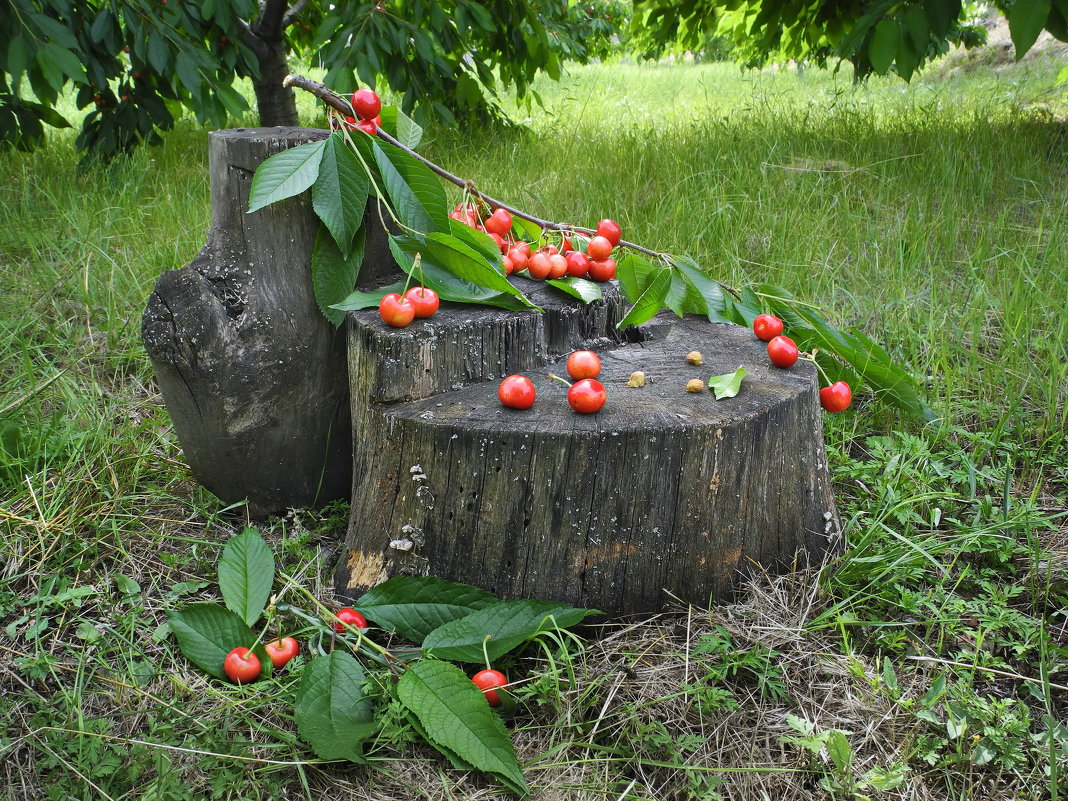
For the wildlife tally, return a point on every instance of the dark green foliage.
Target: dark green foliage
(877, 36)
(136, 65)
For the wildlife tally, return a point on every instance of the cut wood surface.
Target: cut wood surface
(664, 493)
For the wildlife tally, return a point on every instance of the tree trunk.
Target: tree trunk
(276, 104)
(253, 375)
(663, 494)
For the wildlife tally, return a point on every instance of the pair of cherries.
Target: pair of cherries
(399, 310)
(586, 396)
(783, 352)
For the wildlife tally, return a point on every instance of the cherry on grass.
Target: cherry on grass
(489, 681)
(242, 666)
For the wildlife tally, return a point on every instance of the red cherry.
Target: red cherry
(242, 666)
(583, 364)
(424, 300)
(552, 250)
(500, 222)
(557, 266)
(767, 326)
(599, 248)
(281, 651)
(507, 264)
(566, 246)
(518, 257)
(587, 396)
(395, 310)
(368, 127)
(525, 247)
(351, 617)
(516, 392)
(610, 230)
(836, 397)
(488, 681)
(578, 263)
(539, 265)
(366, 103)
(603, 270)
(782, 351)
(498, 240)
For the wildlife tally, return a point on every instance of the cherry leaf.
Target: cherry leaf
(206, 633)
(455, 717)
(246, 574)
(497, 629)
(727, 385)
(333, 714)
(413, 606)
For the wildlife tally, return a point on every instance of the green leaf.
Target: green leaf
(366, 300)
(634, 274)
(333, 275)
(64, 60)
(839, 750)
(454, 713)
(1027, 18)
(402, 127)
(477, 241)
(333, 714)
(286, 174)
(206, 633)
(585, 290)
(525, 229)
(447, 285)
(650, 301)
(453, 255)
(727, 385)
(506, 624)
(414, 606)
(919, 30)
(158, 54)
(54, 30)
(339, 194)
(707, 287)
(416, 193)
(941, 15)
(884, 44)
(246, 575)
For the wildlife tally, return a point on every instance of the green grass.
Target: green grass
(931, 216)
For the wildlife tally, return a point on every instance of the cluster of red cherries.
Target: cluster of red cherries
(547, 261)
(783, 352)
(242, 666)
(366, 105)
(586, 395)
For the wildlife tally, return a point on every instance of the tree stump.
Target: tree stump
(662, 494)
(252, 374)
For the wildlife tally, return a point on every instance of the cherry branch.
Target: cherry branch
(336, 102)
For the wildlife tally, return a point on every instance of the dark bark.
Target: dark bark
(662, 494)
(253, 376)
(275, 103)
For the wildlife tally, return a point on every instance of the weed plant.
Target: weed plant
(929, 662)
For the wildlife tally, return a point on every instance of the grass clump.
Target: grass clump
(928, 662)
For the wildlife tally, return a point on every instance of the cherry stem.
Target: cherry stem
(485, 653)
(416, 263)
(555, 377)
(334, 101)
(812, 358)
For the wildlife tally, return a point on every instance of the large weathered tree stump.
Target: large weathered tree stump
(252, 374)
(663, 493)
